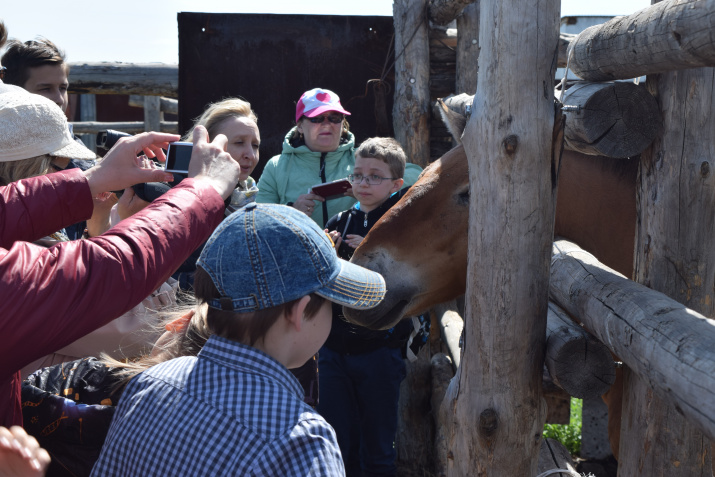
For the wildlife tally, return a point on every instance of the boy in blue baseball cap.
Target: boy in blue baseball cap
(264, 284)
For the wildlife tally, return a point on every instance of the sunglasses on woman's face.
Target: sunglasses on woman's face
(333, 118)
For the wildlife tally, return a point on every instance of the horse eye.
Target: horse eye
(463, 196)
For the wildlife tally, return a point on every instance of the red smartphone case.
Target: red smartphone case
(332, 190)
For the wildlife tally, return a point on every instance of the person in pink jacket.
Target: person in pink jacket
(49, 297)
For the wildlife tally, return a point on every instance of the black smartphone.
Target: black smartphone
(178, 157)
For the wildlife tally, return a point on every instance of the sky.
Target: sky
(146, 31)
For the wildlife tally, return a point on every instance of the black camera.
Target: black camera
(178, 157)
(107, 139)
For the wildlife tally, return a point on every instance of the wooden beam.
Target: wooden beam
(150, 79)
(450, 326)
(441, 372)
(609, 119)
(675, 187)
(410, 111)
(88, 113)
(442, 12)
(577, 362)
(499, 412)
(152, 113)
(553, 455)
(670, 35)
(132, 127)
(467, 49)
(168, 105)
(670, 346)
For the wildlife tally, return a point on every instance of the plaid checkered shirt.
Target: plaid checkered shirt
(233, 410)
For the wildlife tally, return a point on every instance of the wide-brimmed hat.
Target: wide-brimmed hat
(264, 255)
(317, 101)
(32, 125)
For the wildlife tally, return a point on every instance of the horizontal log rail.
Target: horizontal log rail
(147, 79)
(614, 119)
(132, 127)
(576, 361)
(670, 35)
(442, 12)
(167, 105)
(665, 343)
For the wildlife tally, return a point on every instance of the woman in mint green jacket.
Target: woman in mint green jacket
(320, 148)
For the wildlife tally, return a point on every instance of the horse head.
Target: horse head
(422, 265)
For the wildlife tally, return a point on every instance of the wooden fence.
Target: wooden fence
(666, 345)
(150, 86)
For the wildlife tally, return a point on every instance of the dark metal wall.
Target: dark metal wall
(270, 60)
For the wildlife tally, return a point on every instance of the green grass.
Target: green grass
(568, 434)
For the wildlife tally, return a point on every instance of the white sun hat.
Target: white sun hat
(32, 125)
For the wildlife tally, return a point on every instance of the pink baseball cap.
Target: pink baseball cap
(317, 101)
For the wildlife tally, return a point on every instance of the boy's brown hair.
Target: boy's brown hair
(20, 57)
(3, 34)
(386, 149)
(246, 328)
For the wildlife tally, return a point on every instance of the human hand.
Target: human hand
(211, 164)
(99, 222)
(130, 203)
(335, 237)
(20, 454)
(121, 168)
(306, 203)
(353, 240)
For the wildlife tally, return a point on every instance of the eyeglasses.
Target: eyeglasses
(2, 72)
(370, 180)
(333, 118)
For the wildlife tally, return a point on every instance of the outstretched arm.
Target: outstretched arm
(51, 297)
(38, 206)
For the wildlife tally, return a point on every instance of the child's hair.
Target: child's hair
(3, 34)
(19, 57)
(215, 113)
(246, 328)
(386, 149)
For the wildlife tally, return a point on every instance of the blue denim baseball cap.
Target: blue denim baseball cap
(264, 255)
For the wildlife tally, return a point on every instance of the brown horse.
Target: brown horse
(420, 245)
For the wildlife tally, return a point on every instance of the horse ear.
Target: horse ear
(455, 111)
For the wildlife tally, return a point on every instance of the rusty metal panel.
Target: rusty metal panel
(270, 60)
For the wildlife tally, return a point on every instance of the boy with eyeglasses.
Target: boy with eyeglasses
(360, 370)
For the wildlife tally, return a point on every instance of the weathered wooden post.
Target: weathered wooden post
(467, 49)
(674, 253)
(411, 108)
(496, 398)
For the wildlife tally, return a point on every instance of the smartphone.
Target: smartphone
(332, 190)
(178, 157)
